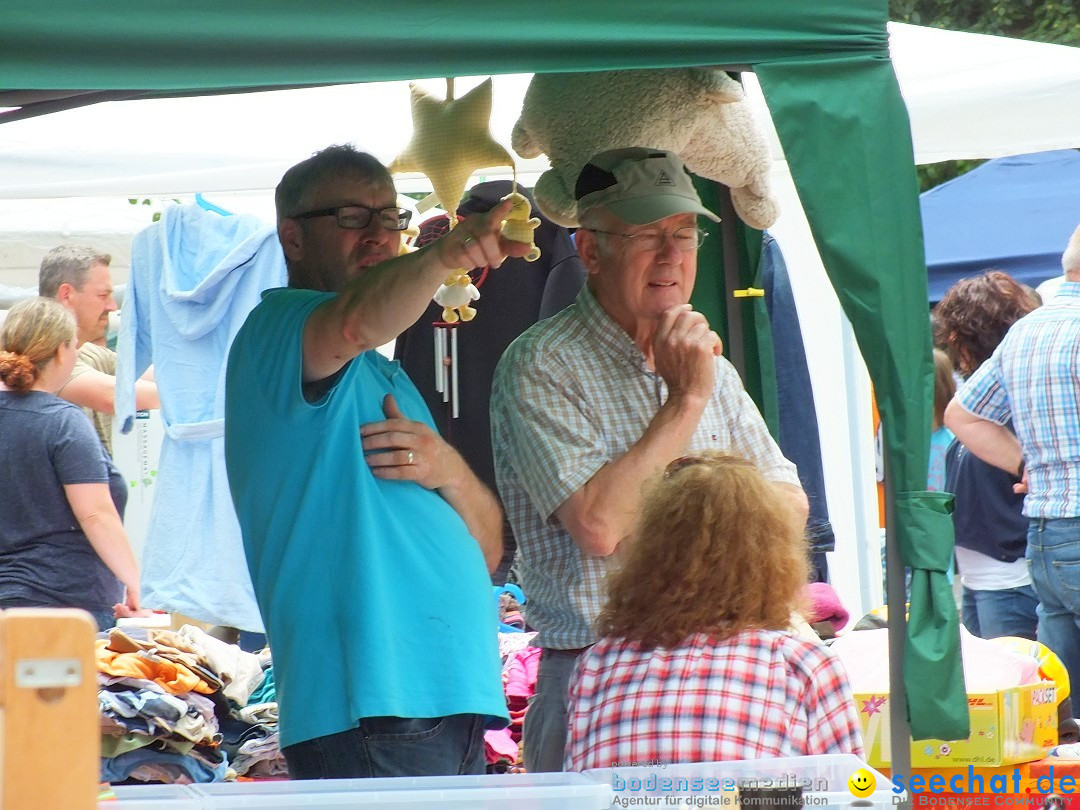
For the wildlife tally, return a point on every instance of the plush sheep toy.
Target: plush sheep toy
(699, 113)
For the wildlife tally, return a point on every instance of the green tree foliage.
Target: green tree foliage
(1054, 21)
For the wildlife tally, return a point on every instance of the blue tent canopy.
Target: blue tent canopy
(1013, 214)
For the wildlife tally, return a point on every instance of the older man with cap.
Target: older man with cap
(589, 404)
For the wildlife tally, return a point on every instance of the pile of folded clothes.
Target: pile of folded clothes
(250, 734)
(163, 695)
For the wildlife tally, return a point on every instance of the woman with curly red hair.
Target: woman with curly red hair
(695, 662)
(62, 543)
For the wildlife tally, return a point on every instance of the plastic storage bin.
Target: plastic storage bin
(541, 791)
(152, 797)
(823, 780)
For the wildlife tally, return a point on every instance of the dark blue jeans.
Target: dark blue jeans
(1008, 612)
(393, 746)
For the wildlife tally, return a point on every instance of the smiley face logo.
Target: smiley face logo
(861, 783)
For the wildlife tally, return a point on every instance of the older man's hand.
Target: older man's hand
(683, 350)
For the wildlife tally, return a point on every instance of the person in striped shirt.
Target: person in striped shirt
(589, 403)
(1033, 378)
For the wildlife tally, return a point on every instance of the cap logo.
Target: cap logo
(662, 179)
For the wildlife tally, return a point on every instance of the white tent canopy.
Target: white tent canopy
(968, 95)
(217, 143)
(214, 145)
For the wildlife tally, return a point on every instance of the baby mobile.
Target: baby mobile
(451, 140)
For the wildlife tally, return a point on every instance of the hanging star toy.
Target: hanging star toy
(451, 139)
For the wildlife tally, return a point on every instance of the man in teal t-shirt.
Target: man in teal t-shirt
(368, 538)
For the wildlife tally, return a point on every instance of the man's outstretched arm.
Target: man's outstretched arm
(96, 390)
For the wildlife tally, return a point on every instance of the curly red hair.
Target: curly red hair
(717, 549)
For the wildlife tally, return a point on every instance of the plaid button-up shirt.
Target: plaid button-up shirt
(1033, 377)
(763, 693)
(570, 395)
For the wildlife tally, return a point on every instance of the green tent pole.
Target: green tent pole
(896, 597)
(863, 211)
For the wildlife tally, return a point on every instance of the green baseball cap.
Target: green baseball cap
(638, 185)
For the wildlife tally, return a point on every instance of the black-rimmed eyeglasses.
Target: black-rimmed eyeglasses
(356, 216)
(686, 239)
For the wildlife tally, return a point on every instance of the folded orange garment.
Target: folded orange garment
(170, 646)
(172, 677)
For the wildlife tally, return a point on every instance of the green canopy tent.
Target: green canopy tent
(825, 72)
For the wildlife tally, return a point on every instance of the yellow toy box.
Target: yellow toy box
(1007, 727)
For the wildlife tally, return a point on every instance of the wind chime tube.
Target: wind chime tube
(453, 370)
(436, 341)
(445, 359)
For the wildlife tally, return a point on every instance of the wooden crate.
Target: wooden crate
(50, 744)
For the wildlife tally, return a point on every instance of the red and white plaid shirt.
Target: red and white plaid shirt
(763, 693)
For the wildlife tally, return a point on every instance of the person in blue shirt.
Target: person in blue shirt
(368, 538)
(940, 436)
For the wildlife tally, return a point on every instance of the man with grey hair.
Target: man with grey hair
(1033, 378)
(79, 278)
(590, 403)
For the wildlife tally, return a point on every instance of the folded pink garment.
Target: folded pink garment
(498, 744)
(825, 605)
(519, 672)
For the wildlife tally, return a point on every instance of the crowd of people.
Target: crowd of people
(660, 529)
(1019, 411)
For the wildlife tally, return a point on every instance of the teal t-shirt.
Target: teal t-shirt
(375, 597)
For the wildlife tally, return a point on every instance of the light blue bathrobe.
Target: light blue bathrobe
(195, 276)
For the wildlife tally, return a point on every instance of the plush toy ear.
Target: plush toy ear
(717, 84)
(522, 142)
(755, 206)
(555, 199)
